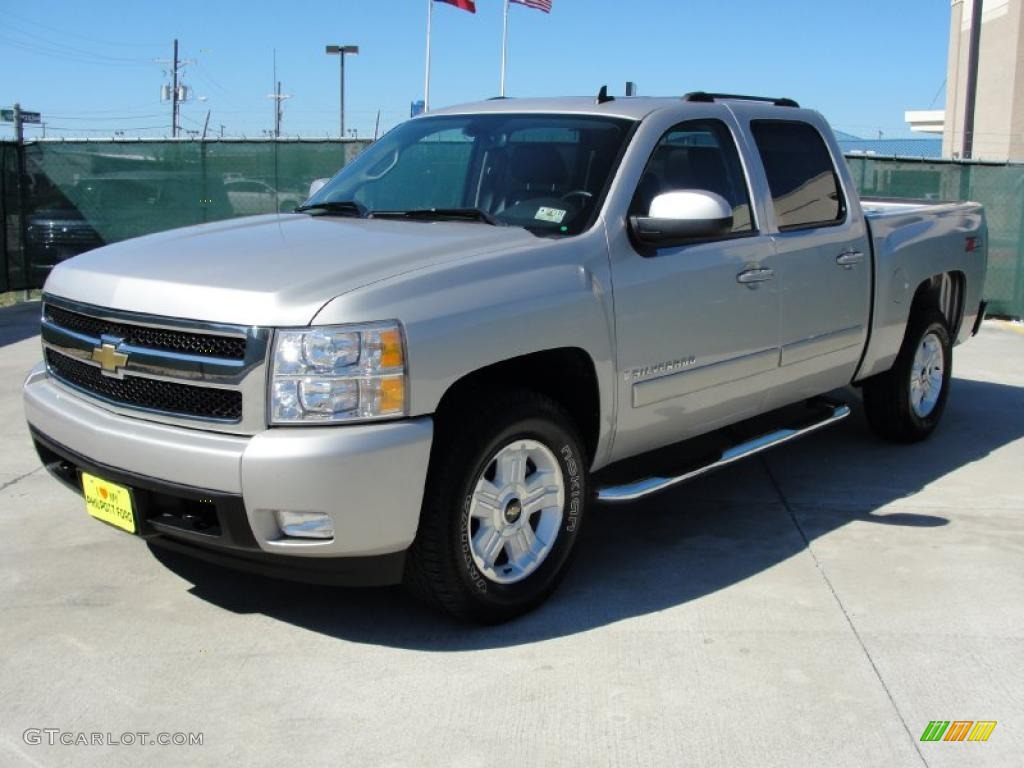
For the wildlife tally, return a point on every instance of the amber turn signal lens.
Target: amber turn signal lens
(391, 348)
(392, 395)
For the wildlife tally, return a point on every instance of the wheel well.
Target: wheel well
(566, 375)
(944, 292)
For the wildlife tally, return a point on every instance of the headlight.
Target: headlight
(338, 373)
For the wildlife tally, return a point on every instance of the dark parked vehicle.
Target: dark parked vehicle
(56, 234)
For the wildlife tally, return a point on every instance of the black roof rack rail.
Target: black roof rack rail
(701, 96)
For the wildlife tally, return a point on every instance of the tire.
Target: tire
(473, 555)
(897, 408)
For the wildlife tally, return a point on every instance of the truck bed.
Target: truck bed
(911, 241)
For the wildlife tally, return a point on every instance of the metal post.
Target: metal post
(19, 149)
(205, 207)
(971, 93)
(174, 93)
(426, 79)
(1018, 297)
(504, 48)
(341, 100)
(5, 274)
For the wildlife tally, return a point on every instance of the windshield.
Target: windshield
(547, 173)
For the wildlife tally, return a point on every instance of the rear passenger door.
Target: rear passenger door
(822, 259)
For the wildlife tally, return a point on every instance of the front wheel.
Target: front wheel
(905, 403)
(503, 508)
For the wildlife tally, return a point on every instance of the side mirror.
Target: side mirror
(678, 217)
(316, 186)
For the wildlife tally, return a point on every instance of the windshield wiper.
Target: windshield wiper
(340, 207)
(442, 214)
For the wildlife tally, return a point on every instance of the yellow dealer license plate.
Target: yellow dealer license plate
(108, 502)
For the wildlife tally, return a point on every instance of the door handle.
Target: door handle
(752, 277)
(849, 259)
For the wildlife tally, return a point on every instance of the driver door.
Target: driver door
(696, 338)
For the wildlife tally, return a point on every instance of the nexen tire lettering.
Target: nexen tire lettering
(575, 489)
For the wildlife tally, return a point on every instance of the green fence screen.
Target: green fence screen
(10, 244)
(81, 194)
(999, 187)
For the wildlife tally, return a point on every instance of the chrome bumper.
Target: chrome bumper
(368, 478)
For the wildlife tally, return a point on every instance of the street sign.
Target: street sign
(7, 116)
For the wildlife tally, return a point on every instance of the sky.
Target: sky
(91, 67)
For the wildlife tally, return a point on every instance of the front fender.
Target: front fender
(465, 315)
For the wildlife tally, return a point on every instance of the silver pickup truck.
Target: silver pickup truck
(496, 315)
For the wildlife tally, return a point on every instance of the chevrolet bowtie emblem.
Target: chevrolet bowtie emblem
(108, 357)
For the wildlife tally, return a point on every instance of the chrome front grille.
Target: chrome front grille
(204, 344)
(164, 396)
(176, 371)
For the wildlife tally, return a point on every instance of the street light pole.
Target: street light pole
(340, 51)
(341, 95)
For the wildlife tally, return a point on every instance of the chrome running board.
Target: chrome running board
(646, 486)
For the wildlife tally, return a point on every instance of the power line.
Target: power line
(105, 117)
(50, 52)
(25, 20)
(62, 46)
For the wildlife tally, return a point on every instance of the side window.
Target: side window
(696, 155)
(803, 181)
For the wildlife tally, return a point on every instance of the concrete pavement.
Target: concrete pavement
(817, 606)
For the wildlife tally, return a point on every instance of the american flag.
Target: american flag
(540, 5)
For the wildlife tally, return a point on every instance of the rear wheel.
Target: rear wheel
(905, 403)
(502, 511)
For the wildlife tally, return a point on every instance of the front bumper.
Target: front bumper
(218, 493)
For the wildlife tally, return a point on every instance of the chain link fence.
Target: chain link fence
(79, 194)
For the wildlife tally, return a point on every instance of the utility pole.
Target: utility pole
(277, 112)
(174, 93)
(279, 99)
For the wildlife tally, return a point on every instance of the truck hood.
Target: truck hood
(266, 270)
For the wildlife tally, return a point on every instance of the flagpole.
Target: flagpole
(426, 78)
(504, 48)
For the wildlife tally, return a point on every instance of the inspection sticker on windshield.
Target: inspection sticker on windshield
(554, 215)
